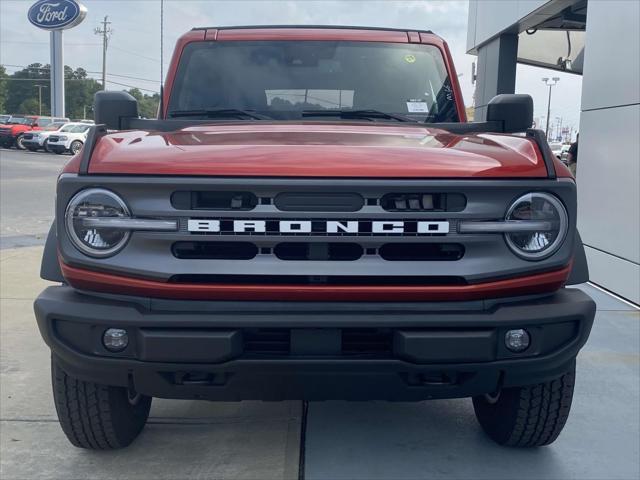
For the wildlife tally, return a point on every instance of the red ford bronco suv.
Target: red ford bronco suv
(312, 217)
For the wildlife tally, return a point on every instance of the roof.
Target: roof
(346, 27)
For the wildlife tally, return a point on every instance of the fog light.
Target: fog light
(115, 339)
(517, 340)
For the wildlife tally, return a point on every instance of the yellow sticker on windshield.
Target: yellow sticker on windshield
(410, 58)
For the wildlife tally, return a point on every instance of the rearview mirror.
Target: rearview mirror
(111, 108)
(514, 111)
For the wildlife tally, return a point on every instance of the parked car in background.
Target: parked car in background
(564, 153)
(556, 148)
(13, 132)
(4, 119)
(36, 140)
(69, 141)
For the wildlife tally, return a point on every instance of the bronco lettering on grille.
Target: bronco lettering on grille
(318, 227)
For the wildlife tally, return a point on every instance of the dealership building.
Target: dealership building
(599, 40)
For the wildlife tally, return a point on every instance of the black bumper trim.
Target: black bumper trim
(72, 323)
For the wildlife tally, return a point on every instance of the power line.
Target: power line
(88, 71)
(135, 54)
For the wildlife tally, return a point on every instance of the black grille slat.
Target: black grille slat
(421, 251)
(318, 251)
(214, 250)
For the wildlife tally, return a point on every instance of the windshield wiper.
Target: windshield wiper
(220, 113)
(366, 114)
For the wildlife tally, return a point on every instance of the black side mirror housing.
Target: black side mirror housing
(514, 111)
(110, 108)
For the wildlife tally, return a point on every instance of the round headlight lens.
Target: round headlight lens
(537, 206)
(96, 203)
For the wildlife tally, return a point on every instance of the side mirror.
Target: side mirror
(515, 111)
(110, 108)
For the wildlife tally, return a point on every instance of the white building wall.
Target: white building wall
(609, 153)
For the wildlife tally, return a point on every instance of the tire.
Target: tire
(45, 146)
(75, 147)
(19, 144)
(94, 416)
(530, 416)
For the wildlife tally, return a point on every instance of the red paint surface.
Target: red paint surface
(317, 149)
(103, 282)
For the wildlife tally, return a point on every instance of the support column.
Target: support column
(497, 62)
(57, 74)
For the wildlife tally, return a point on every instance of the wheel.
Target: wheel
(530, 416)
(75, 147)
(94, 416)
(19, 144)
(45, 146)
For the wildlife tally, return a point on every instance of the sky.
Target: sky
(134, 46)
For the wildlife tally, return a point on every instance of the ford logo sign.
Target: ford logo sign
(56, 14)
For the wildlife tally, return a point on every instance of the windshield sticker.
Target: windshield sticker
(417, 106)
(410, 58)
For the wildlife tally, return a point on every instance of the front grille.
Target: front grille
(205, 200)
(271, 242)
(318, 251)
(53, 138)
(423, 202)
(215, 250)
(27, 136)
(432, 252)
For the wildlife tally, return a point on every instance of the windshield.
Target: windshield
(20, 121)
(281, 79)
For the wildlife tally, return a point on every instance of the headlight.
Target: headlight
(63, 138)
(96, 203)
(543, 207)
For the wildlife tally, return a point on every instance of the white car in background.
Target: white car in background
(69, 141)
(36, 139)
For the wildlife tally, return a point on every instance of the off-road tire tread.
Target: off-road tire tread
(538, 417)
(86, 412)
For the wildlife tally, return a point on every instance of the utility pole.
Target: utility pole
(105, 31)
(40, 87)
(549, 84)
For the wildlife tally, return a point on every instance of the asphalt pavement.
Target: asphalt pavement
(280, 440)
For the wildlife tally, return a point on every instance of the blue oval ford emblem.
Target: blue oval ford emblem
(56, 14)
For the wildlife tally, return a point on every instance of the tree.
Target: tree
(147, 104)
(3, 88)
(21, 86)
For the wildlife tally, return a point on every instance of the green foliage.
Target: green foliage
(3, 88)
(19, 94)
(147, 104)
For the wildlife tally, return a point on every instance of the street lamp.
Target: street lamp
(549, 83)
(40, 87)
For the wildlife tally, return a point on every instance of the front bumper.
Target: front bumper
(6, 138)
(314, 350)
(57, 147)
(31, 143)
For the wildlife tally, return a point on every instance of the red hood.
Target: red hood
(317, 150)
